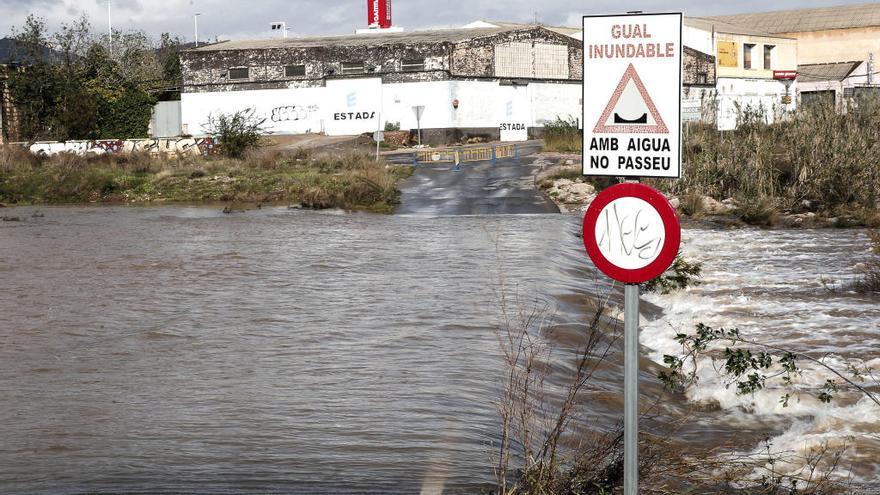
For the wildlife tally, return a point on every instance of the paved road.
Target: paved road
(478, 189)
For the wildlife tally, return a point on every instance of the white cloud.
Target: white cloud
(230, 19)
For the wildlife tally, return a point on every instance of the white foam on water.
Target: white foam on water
(768, 285)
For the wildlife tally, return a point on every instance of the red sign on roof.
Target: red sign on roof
(785, 74)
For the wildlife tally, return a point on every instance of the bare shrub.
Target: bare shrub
(691, 204)
(758, 211)
(264, 158)
(868, 280)
(767, 471)
(536, 418)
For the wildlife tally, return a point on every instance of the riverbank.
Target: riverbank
(561, 180)
(814, 167)
(352, 181)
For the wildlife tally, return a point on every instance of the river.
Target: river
(175, 349)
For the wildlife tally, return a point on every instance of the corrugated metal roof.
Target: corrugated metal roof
(707, 24)
(704, 23)
(801, 20)
(826, 72)
(352, 40)
(568, 31)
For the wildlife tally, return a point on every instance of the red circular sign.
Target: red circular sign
(631, 233)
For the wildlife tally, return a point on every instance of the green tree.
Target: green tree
(36, 87)
(70, 87)
(169, 59)
(76, 108)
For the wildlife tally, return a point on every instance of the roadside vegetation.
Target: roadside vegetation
(868, 280)
(818, 160)
(817, 167)
(548, 446)
(354, 181)
(563, 135)
(70, 84)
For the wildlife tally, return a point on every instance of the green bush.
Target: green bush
(238, 132)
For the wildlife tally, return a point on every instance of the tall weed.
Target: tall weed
(816, 154)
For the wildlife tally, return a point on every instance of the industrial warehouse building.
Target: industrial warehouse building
(747, 63)
(842, 33)
(495, 82)
(837, 47)
(506, 80)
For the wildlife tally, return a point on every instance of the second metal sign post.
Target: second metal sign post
(632, 129)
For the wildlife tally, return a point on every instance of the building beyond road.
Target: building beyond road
(501, 80)
(496, 82)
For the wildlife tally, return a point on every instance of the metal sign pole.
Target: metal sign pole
(631, 390)
(378, 135)
(604, 242)
(418, 110)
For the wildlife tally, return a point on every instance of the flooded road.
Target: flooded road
(175, 349)
(480, 188)
(181, 349)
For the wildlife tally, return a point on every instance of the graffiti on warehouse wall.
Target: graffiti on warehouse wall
(156, 146)
(292, 112)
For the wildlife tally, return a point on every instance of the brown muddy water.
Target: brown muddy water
(177, 349)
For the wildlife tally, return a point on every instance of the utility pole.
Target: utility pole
(196, 24)
(2, 108)
(110, 27)
(871, 69)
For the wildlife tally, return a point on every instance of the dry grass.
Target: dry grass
(352, 181)
(817, 156)
(563, 136)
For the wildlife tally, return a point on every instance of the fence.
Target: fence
(466, 155)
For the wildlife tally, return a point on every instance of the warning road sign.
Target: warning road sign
(631, 109)
(632, 95)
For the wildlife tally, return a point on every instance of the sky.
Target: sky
(239, 19)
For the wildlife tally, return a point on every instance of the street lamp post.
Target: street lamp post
(196, 25)
(109, 28)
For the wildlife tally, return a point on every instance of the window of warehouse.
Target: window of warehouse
(747, 55)
(294, 70)
(239, 73)
(768, 56)
(413, 65)
(538, 60)
(352, 68)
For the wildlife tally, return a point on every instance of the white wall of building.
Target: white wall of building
(698, 104)
(756, 94)
(698, 39)
(287, 111)
(354, 106)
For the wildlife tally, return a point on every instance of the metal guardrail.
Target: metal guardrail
(458, 156)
